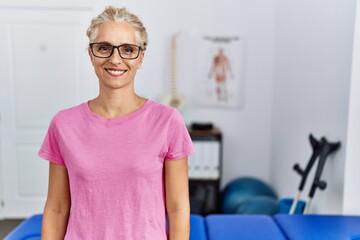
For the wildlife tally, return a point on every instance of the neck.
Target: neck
(115, 104)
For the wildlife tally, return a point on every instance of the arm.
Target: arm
(228, 66)
(212, 68)
(57, 207)
(177, 198)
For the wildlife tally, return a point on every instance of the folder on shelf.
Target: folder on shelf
(205, 163)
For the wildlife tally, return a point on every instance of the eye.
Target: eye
(128, 49)
(103, 47)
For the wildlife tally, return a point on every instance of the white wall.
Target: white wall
(352, 164)
(313, 49)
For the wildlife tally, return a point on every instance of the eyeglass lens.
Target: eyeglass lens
(105, 50)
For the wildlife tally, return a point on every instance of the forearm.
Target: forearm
(177, 199)
(54, 224)
(179, 225)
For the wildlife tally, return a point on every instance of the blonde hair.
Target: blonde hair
(118, 15)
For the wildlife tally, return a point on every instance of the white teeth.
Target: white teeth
(115, 72)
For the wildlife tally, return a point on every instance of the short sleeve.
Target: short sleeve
(50, 149)
(179, 141)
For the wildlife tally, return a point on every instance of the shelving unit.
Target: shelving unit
(205, 171)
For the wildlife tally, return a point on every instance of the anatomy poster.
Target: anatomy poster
(219, 72)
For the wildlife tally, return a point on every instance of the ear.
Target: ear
(91, 56)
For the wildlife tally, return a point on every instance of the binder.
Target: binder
(205, 163)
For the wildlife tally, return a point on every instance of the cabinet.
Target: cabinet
(205, 171)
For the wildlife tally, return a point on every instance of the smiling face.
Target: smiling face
(115, 72)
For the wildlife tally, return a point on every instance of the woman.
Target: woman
(118, 163)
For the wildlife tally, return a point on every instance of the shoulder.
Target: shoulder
(164, 115)
(162, 110)
(68, 114)
(168, 114)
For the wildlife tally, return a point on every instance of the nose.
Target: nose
(115, 57)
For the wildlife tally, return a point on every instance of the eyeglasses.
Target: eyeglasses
(105, 50)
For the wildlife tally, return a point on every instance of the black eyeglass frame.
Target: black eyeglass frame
(117, 47)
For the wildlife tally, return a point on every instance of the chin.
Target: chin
(115, 85)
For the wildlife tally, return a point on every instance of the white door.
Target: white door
(44, 67)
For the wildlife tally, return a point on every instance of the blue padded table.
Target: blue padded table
(319, 227)
(197, 227)
(242, 227)
(29, 229)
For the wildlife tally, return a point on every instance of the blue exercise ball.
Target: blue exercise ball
(264, 205)
(241, 189)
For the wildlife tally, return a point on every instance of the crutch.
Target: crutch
(315, 144)
(326, 149)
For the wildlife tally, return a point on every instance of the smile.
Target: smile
(115, 72)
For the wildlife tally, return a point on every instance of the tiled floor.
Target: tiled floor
(7, 225)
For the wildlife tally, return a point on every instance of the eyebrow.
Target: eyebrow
(105, 42)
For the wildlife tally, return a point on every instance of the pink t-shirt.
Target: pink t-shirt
(115, 169)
